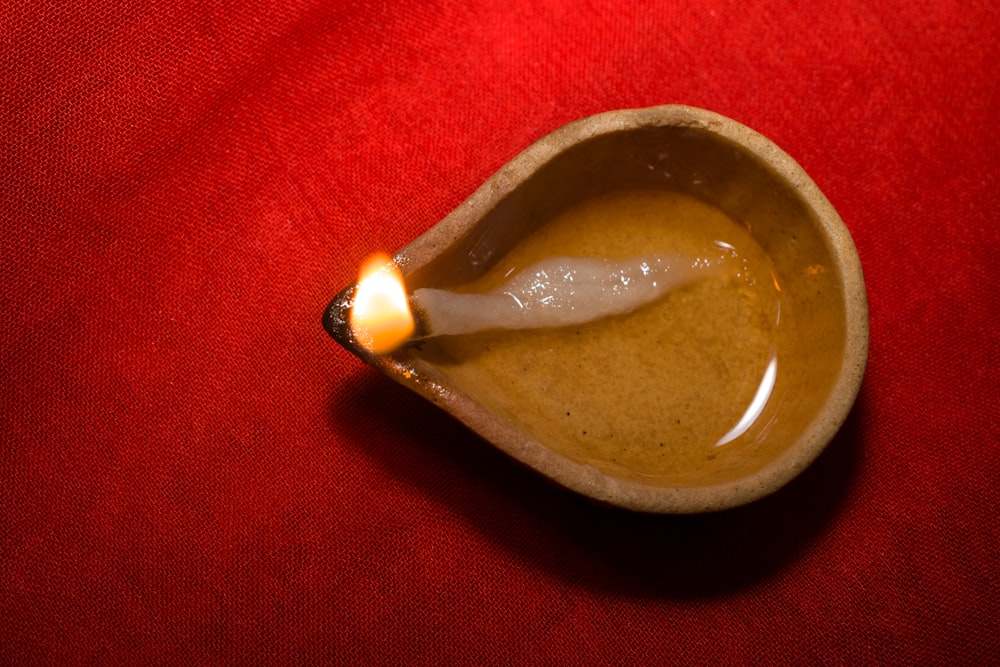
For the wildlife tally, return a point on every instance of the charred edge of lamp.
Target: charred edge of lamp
(336, 318)
(337, 323)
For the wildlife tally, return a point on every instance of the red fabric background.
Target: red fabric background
(191, 471)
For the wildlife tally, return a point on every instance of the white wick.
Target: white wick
(558, 292)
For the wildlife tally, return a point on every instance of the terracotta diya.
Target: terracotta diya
(655, 308)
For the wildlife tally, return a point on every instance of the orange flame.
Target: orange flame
(380, 318)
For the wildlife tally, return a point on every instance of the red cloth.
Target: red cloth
(191, 471)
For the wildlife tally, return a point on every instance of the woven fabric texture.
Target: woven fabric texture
(192, 472)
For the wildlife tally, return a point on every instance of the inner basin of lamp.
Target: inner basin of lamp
(713, 386)
(680, 391)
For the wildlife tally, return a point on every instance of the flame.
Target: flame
(380, 318)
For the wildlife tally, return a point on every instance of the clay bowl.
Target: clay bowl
(714, 397)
